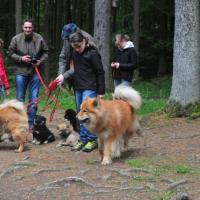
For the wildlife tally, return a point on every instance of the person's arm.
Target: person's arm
(100, 74)
(44, 49)
(12, 51)
(132, 64)
(3, 76)
(64, 57)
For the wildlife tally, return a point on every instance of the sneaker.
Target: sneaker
(90, 146)
(78, 146)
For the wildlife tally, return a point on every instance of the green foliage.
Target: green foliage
(183, 169)
(175, 109)
(166, 195)
(158, 168)
(90, 161)
(195, 111)
(136, 163)
(154, 92)
(66, 99)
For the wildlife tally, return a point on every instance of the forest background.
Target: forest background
(159, 29)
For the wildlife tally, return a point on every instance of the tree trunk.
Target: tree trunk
(163, 24)
(185, 89)
(74, 9)
(136, 24)
(47, 35)
(59, 11)
(18, 16)
(102, 34)
(114, 16)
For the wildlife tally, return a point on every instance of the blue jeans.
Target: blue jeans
(33, 84)
(121, 82)
(80, 96)
(2, 93)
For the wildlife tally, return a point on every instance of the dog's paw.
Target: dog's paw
(106, 161)
(18, 150)
(59, 145)
(45, 142)
(34, 141)
(117, 154)
(37, 143)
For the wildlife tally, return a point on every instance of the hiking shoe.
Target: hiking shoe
(90, 146)
(78, 146)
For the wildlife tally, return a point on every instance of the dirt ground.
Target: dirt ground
(56, 173)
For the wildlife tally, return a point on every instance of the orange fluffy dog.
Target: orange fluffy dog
(13, 119)
(114, 122)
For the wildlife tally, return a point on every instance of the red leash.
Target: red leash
(48, 90)
(41, 80)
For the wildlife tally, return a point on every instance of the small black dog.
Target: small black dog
(41, 134)
(70, 115)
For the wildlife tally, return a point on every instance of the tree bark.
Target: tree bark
(18, 16)
(185, 89)
(163, 24)
(136, 23)
(102, 34)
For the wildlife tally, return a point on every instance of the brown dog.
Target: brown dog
(113, 121)
(13, 120)
(68, 136)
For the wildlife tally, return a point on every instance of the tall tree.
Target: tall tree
(136, 23)
(164, 19)
(185, 89)
(102, 34)
(18, 15)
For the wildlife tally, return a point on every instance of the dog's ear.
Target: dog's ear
(96, 102)
(87, 99)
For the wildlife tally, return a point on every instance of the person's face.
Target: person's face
(119, 43)
(79, 46)
(27, 28)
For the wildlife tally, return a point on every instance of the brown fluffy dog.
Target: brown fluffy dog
(113, 121)
(68, 136)
(13, 119)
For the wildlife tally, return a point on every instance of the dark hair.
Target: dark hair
(76, 37)
(28, 20)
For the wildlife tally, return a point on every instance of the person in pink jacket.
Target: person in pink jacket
(4, 85)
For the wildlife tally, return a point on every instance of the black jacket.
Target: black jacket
(128, 62)
(88, 71)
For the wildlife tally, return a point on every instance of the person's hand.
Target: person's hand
(7, 92)
(26, 59)
(112, 64)
(117, 65)
(60, 79)
(38, 62)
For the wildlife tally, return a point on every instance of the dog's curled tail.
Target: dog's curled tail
(13, 103)
(128, 94)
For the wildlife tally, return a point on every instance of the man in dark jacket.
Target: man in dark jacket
(125, 61)
(25, 48)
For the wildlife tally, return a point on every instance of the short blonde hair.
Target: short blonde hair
(122, 37)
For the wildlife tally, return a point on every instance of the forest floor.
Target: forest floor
(165, 165)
